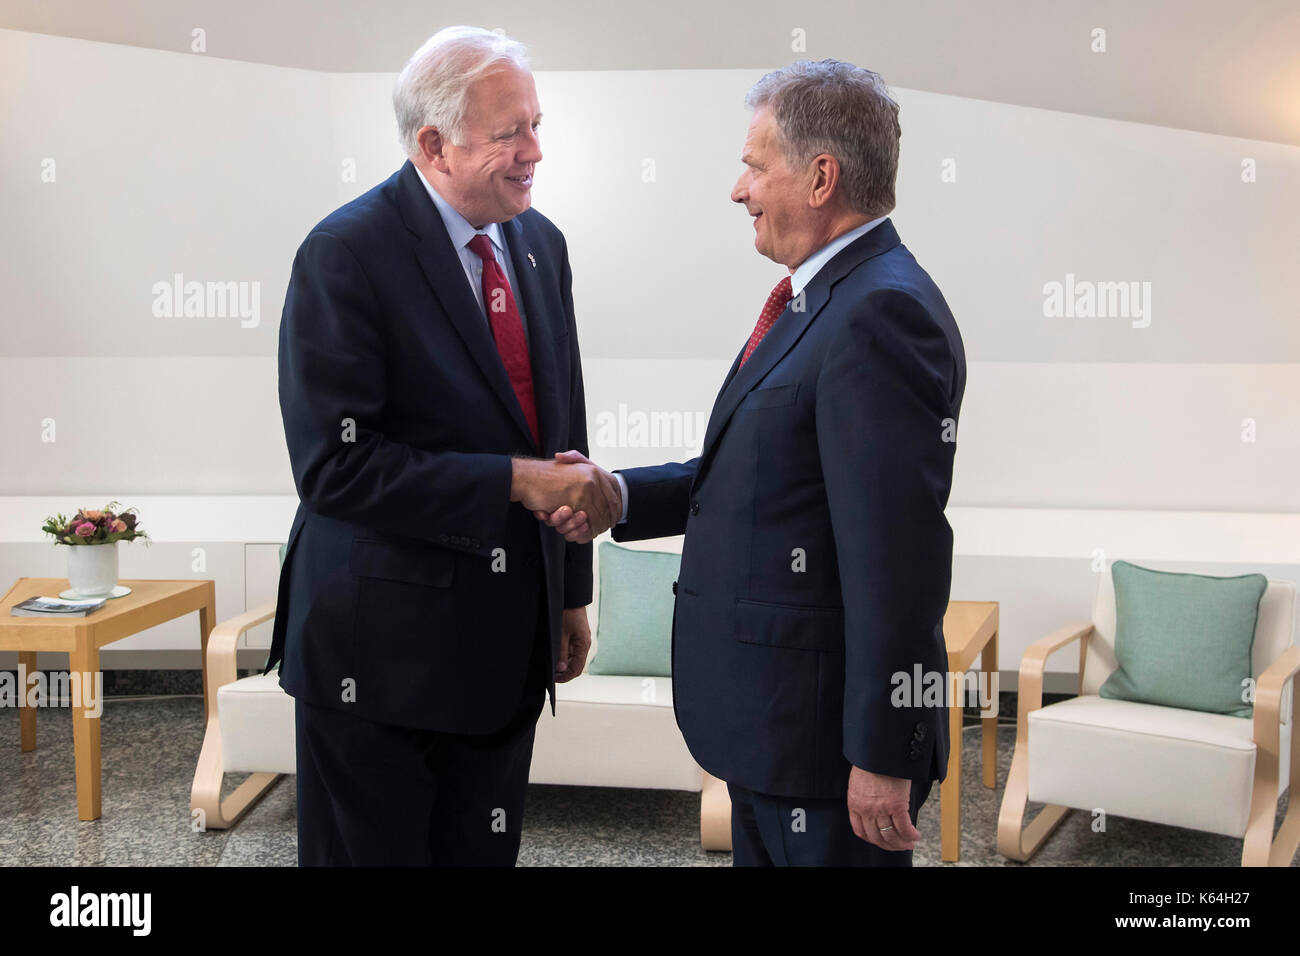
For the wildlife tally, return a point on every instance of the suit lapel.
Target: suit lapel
(787, 329)
(441, 265)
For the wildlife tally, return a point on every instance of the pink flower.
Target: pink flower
(118, 525)
(85, 529)
(92, 515)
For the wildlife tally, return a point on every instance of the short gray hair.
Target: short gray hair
(835, 107)
(433, 88)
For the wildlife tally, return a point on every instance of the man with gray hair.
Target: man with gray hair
(429, 372)
(817, 561)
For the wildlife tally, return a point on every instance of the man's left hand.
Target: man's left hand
(575, 642)
(877, 801)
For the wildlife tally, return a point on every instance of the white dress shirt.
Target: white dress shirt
(461, 232)
(799, 279)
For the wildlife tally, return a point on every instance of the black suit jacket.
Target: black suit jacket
(412, 588)
(817, 558)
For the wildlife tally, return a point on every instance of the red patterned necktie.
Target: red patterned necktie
(776, 303)
(507, 330)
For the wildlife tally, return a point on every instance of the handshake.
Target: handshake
(576, 498)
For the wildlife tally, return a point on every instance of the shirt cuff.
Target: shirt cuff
(622, 489)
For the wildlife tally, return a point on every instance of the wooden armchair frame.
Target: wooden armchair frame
(1260, 847)
(219, 669)
(1016, 841)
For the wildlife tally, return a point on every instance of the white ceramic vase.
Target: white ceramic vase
(92, 569)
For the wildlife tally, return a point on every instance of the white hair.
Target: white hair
(433, 88)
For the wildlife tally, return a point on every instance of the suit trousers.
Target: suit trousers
(372, 794)
(769, 830)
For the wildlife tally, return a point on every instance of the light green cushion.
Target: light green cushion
(1183, 640)
(634, 628)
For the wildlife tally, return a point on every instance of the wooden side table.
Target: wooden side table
(970, 628)
(149, 603)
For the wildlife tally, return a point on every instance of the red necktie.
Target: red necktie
(507, 330)
(776, 303)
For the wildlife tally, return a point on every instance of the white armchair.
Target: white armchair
(1185, 768)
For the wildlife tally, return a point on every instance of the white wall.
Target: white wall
(216, 169)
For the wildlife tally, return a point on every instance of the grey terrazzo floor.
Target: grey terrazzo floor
(150, 747)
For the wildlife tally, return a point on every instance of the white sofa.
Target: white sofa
(607, 732)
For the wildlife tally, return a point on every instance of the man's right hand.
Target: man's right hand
(547, 486)
(572, 524)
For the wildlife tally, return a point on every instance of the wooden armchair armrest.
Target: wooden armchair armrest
(1015, 840)
(1269, 688)
(1029, 687)
(1261, 847)
(219, 662)
(207, 808)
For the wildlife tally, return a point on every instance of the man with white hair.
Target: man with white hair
(429, 372)
(817, 560)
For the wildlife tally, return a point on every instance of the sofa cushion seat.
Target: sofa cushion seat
(609, 689)
(607, 731)
(257, 726)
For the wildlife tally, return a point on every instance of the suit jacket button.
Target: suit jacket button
(695, 507)
(921, 731)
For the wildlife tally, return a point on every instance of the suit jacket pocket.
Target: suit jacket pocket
(788, 625)
(414, 563)
(774, 397)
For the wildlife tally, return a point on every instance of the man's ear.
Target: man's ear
(432, 147)
(825, 179)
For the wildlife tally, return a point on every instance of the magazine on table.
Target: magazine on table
(56, 607)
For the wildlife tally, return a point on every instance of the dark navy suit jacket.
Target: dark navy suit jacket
(412, 588)
(817, 558)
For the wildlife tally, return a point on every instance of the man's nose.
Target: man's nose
(531, 149)
(738, 192)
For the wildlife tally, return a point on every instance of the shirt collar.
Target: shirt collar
(459, 228)
(813, 264)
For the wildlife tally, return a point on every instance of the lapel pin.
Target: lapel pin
(532, 260)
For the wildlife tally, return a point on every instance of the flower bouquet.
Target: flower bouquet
(92, 571)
